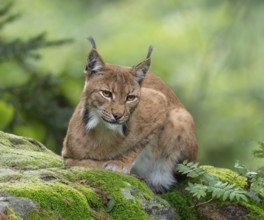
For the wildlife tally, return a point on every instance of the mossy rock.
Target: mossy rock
(25, 153)
(34, 184)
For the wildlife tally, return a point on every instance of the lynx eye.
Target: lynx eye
(130, 98)
(106, 93)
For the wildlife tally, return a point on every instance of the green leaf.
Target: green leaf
(185, 162)
(226, 195)
(190, 169)
(197, 190)
(232, 195)
(219, 193)
(110, 204)
(215, 191)
(243, 197)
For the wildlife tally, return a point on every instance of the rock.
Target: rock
(20, 205)
(25, 153)
(154, 207)
(35, 185)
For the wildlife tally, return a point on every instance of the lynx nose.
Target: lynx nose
(117, 116)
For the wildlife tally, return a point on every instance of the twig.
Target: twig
(202, 203)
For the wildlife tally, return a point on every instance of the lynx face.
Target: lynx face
(111, 97)
(112, 92)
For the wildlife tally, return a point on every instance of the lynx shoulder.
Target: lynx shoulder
(129, 120)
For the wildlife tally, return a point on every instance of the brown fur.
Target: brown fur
(158, 130)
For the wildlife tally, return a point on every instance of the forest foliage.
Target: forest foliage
(210, 52)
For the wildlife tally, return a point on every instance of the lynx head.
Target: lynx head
(111, 92)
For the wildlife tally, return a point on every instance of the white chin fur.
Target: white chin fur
(95, 120)
(114, 127)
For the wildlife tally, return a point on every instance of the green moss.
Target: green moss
(226, 175)
(181, 203)
(128, 209)
(22, 159)
(41, 214)
(24, 153)
(4, 141)
(104, 179)
(29, 177)
(7, 175)
(111, 182)
(93, 199)
(55, 196)
(16, 142)
(12, 214)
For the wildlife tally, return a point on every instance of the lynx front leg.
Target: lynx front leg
(83, 163)
(115, 165)
(122, 163)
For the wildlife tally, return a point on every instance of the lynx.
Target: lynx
(129, 120)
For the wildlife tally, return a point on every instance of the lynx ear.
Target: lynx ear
(94, 61)
(142, 68)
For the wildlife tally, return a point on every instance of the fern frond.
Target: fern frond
(190, 169)
(227, 191)
(207, 184)
(197, 190)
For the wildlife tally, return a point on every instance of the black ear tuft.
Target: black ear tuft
(150, 49)
(92, 41)
(94, 61)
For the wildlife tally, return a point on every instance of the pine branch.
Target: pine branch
(4, 11)
(39, 99)
(19, 50)
(259, 153)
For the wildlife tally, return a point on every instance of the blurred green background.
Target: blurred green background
(210, 52)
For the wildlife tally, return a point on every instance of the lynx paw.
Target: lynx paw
(116, 166)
